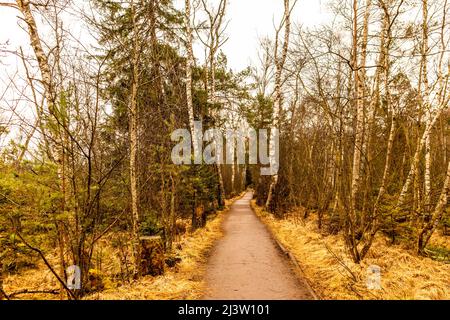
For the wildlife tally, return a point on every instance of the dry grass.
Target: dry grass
(185, 281)
(324, 262)
(36, 279)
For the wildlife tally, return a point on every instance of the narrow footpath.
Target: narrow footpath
(246, 263)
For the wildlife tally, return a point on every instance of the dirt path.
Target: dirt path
(247, 265)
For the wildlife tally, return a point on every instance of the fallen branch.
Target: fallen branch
(41, 254)
(339, 260)
(26, 291)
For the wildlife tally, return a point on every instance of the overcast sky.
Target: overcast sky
(253, 19)
(249, 20)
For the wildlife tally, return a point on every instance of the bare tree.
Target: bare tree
(215, 40)
(280, 60)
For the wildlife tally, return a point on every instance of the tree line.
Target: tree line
(361, 104)
(364, 120)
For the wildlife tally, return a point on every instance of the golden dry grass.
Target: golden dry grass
(38, 279)
(324, 261)
(185, 281)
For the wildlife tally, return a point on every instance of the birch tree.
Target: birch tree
(189, 66)
(280, 60)
(215, 40)
(133, 133)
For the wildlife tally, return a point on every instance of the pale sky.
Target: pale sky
(253, 19)
(249, 20)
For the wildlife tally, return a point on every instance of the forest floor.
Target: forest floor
(324, 262)
(236, 256)
(184, 281)
(247, 265)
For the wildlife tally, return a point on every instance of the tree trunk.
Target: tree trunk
(216, 21)
(133, 134)
(416, 159)
(359, 78)
(44, 67)
(189, 66)
(278, 101)
(436, 218)
(233, 173)
(426, 106)
(384, 65)
(50, 94)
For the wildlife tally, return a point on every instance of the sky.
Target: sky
(249, 20)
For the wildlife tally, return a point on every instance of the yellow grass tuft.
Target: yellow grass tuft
(185, 281)
(329, 269)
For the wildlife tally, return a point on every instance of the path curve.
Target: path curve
(246, 263)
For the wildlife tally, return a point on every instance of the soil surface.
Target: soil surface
(246, 263)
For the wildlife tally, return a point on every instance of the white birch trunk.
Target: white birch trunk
(278, 101)
(426, 105)
(189, 66)
(437, 215)
(133, 133)
(359, 74)
(50, 95)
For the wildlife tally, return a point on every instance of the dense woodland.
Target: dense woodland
(361, 104)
